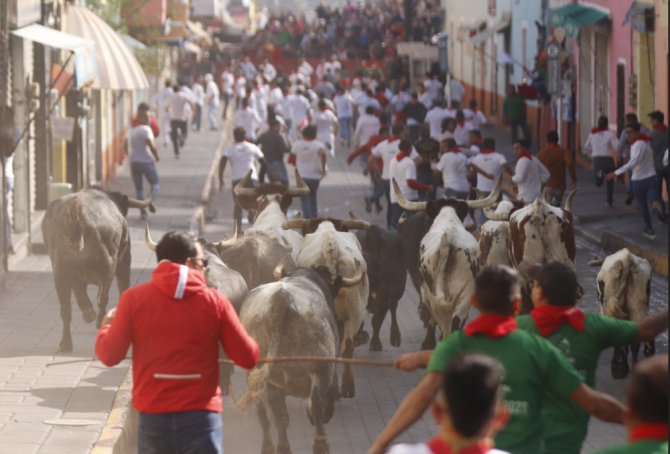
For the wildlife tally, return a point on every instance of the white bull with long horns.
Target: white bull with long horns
(449, 260)
(271, 201)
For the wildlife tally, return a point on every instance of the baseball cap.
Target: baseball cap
(558, 282)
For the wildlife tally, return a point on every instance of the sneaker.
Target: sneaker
(649, 233)
(143, 215)
(658, 209)
(152, 208)
(368, 204)
(608, 204)
(176, 157)
(365, 171)
(629, 198)
(601, 174)
(378, 209)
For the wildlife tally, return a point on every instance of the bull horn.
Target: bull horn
(280, 267)
(241, 187)
(402, 201)
(298, 215)
(230, 242)
(354, 217)
(493, 216)
(490, 200)
(568, 201)
(596, 261)
(294, 224)
(301, 190)
(357, 279)
(134, 203)
(480, 194)
(147, 239)
(352, 224)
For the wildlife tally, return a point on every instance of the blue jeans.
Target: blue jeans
(482, 216)
(8, 225)
(606, 165)
(177, 126)
(197, 118)
(226, 101)
(524, 129)
(397, 213)
(378, 190)
(460, 195)
(646, 190)
(309, 208)
(425, 177)
(386, 185)
(237, 211)
(276, 172)
(346, 123)
(662, 174)
(211, 108)
(147, 169)
(185, 432)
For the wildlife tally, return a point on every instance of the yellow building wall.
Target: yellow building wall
(645, 65)
(662, 56)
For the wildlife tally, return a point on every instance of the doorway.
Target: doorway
(620, 97)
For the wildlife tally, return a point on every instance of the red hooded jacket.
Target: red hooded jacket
(175, 323)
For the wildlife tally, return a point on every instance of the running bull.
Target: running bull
(540, 233)
(87, 237)
(271, 201)
(449, 259)
(624, 286)
(493, 234)
(329, 243)
(294, 317)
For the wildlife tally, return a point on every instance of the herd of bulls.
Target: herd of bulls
(306, 294)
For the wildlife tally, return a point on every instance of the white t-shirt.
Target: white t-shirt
(434, 118)
(324, 121)
(403, 170)
(241, 87)
(275, 96)
(364, 101)
(366, 127)
(450, 112)
(601, 144)
(490, 163)
(457, 90)
(9, 162)
(178, 104)
(343, 103)
(212, 93)
(422, 448)
(461, 134)
(227, 80)
(198, 94)
(160, 100)
(387, 151)
(433, 86)
(307, 158)
(454, 168)
(528, 176)
(641, 161)
(298, 106)
(138, 150)
(297, 78)
(249, 120)
(475, 118)
(242, 156)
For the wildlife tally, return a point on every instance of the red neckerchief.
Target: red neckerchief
(494, 326)
(400, 156)
(451, 109)
(455, 150)
(596, 130)
(474, 111)
(643, 137)
(488, 151)
(393, 139)
(323, 109)
(479, 142)
(240, 141)
(257, 89)
(553, 145)
(438, 446)
(249, 95)
(549, 318)
(649, 431)
(460, 123)
(525, 154)
(306, 139)
(660, 127)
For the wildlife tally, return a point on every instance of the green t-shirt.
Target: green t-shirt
(638, 447)
(285, 37)
(531, 366)
(515, 107)
(569, 422)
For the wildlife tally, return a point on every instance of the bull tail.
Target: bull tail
(257, 377)
(613, 307)
(74, 224)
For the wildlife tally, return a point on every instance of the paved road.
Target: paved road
(30, 324)
(379, 391)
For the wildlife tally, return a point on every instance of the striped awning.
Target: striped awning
(118, 68)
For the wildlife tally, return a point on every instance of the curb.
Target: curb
(119, 436)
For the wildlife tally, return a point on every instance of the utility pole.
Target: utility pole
(4, 82)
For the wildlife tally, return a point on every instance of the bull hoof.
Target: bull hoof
(89, 315)
(283, 448)
(395, 337)
(65, 346)
(320, 445)
(619, 371)
(348, 390)
(268, 447)
(428, 344)
(424, 313)
(362, 337)
(375, 344)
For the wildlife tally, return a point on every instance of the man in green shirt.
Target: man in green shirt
(532, 366)
(646, 415)
(514, 108)
(580, 337)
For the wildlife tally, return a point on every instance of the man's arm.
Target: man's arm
(521, 168)
(507, 169)
(410, 410)
(322, 156)
(125, 146)
(152, 146)
(480, 171)
(571, 168)
(634, 155)
(236, 342)
(222, 166)
(600, 405)
(114, 339)
(621, 145)
(261, 172)
(650, 327)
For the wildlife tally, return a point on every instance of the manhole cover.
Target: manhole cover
(72, 422)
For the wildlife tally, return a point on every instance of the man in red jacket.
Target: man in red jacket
(175, 323)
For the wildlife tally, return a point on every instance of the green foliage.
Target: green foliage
(153, 59)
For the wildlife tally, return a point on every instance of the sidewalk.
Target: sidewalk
(30, 326)
(611, 228)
